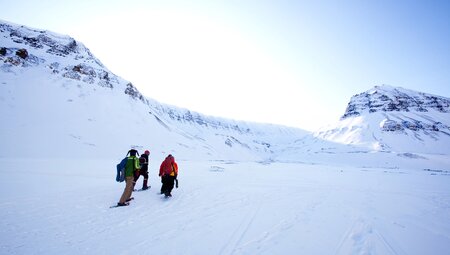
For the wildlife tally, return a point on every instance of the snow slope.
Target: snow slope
(245, 188)
(59, 97)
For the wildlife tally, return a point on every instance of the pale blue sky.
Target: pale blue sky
(287, 62)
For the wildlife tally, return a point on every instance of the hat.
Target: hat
(147, 152)
(133, 152)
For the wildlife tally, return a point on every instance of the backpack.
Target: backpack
(142, 160)
(120, 177)
(168, 166)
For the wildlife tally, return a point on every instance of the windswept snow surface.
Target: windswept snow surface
(224, 207)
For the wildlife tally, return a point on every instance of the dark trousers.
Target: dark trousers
(167, 184)
(139, 173)
(143, 173)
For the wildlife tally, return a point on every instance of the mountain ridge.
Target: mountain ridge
(38, 56)
(388, 98)
(56, 94)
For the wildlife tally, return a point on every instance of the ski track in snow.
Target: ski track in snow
(237, 237)
(363, 238)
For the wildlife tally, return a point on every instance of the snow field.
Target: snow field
(223, 207)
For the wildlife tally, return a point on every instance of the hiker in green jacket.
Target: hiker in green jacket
(130, 168)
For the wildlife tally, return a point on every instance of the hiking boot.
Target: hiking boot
(123, 204)
(144, 185)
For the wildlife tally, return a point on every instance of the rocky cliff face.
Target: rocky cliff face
(389, 99)
(60, 55)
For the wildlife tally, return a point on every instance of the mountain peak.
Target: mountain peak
(391, 118)
(386, 98)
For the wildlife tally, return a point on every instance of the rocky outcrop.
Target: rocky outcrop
(23, 53)
(39, 39)
(60, 54)
(413, 125)
(389, 99)
(133, 92)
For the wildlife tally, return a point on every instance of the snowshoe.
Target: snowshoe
(120, 204)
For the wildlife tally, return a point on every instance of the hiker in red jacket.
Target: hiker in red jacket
(168, 172)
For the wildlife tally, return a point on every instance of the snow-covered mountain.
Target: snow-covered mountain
(387, 118)
(61, 101)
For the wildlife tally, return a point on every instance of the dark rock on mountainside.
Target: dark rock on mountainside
(389, 99)
(23, 53)
(60, 54)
